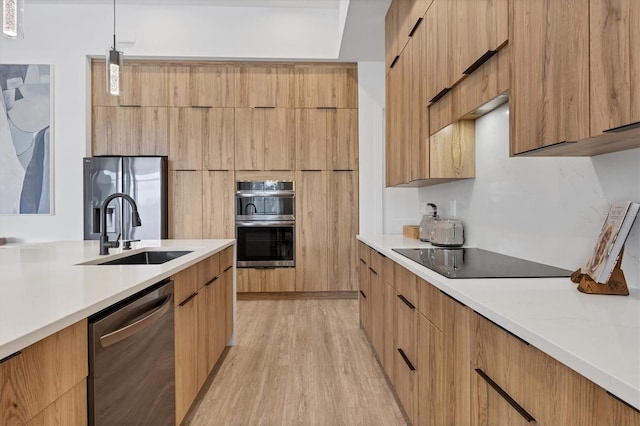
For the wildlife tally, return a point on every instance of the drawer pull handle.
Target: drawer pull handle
(440, 94)
(227, 268)
(406, 359)
(406, 302)
(528, 417)
(363, 262)
(393, 63)
(363, 295)
(188, 299)
(415, 27)
(481, 60)
(211, 281)
(623, 128)
(373, 270)
(7, 358)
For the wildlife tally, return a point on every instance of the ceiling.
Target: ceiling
(362, 36)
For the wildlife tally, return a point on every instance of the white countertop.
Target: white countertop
(597, 336)
(43, 290)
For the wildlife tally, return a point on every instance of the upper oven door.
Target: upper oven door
(265, 201)
(265, 244)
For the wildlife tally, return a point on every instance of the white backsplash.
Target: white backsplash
(547, 210)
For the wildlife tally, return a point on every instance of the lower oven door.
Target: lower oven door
(265, 244)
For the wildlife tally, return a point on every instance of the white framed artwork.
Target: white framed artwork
(26, 143)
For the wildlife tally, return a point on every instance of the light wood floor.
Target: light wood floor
(298, 362)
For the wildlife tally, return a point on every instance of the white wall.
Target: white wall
(548, 210)
(65, 34)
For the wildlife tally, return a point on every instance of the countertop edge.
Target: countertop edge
(10, 347)
(596, 374)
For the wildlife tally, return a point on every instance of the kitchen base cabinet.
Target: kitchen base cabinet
(69, 409)
(34, 383)
(365, 289)
(203, 323)
(260, 280)
(431, 377)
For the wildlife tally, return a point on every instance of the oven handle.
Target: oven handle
(278, 223)
(278, 194)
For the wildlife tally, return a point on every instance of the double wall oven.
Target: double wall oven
(265, 224)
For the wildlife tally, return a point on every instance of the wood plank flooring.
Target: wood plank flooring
(298, 362)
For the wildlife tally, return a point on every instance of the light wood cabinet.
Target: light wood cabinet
(313, 137)
(453, 151)
(549, 93)
(204, 305)
(441, 32)
(406, 356)
(51, 371)
(99, 95)
(144, 85)
(342, 210)
(265, 139)
(201, 138)
(376, 303)
(364, 280)
(614, 64)
(130, 131)
(311, 231)
(211, 85)
(391, 50)
(265, 86)
(266, 280)
(218, 215)
(431, 378)
(343, 144)
(390, 326)
(185, 198)
(395, 131)
(326, 86)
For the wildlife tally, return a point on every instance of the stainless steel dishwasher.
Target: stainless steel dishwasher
(131, 360)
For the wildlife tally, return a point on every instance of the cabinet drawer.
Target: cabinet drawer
(430, 302)
(363, 252)
(208, 269)
(185, 283)
(226, 258)
(69, 409)
(406, 284)
(375, 261)
(42, 372)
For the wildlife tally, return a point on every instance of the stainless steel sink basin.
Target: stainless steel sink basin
(145, 258)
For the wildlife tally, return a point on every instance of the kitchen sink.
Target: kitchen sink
(145, 258)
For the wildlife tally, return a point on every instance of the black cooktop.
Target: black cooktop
(478, 263)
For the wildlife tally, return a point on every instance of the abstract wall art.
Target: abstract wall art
(26, 179)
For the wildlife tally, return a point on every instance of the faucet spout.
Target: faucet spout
(105, 244)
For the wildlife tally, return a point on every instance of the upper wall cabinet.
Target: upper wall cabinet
(614, 64)
(202, 85)
(265, 86)
(326, 86)
(144, 85)
(401, 22)
(574, 77)
(130, 131)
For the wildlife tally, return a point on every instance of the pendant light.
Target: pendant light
(12, 11)
(114, 63)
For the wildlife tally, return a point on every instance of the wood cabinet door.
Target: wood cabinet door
(417, 120)
(145, 85)
(229, 296)
(99, 95)
(614, 64)
(311, 231)
(441, 32)
(213, 85)
(41, 373)
(313, 133)
(391, 34)
(456, 334)
(364, 282)
(376, 291)
(219, 140)
(483, 29)
(188, 130)
(218, 216)
(326, 86)
(406, 356)
(390, 328)
(69, 409)
(150, 131)
(185, 195)
(452, 151)
(431, 378)
(394, 153)
(179, 85)
(343, 149)
(342, 209)
(549, 89)
(185, 283)
(249, 147)
(186, 342)
(430, 302)
(256, 86)
(204, 336)
(279, 139)
(111, 131)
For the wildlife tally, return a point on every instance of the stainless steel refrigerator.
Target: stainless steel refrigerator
(142, 178)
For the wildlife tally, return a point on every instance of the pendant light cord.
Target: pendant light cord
(114, 24)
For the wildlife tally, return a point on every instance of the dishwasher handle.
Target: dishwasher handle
(131, 329)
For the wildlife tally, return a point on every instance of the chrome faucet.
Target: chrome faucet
(105, 244)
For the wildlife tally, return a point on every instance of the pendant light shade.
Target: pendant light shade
(12, 18)
(114, 63)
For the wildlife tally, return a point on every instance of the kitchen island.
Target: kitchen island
(43, 289)
(596, 336)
